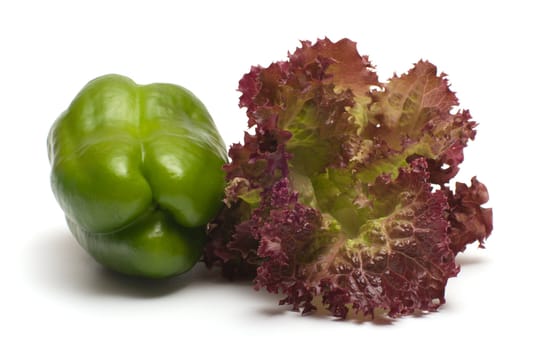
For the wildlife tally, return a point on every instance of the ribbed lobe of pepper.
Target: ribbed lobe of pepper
(123, 151)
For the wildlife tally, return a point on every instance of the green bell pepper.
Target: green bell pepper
(137, 170)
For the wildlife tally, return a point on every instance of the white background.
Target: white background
(54, 295)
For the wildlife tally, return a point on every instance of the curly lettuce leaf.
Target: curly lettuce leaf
(332, 198)
(398, 260)
(414, 115)
(469, 221)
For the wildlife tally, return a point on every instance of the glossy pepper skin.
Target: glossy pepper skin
(137, 170)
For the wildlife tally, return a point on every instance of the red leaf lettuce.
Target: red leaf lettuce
(340, 193)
